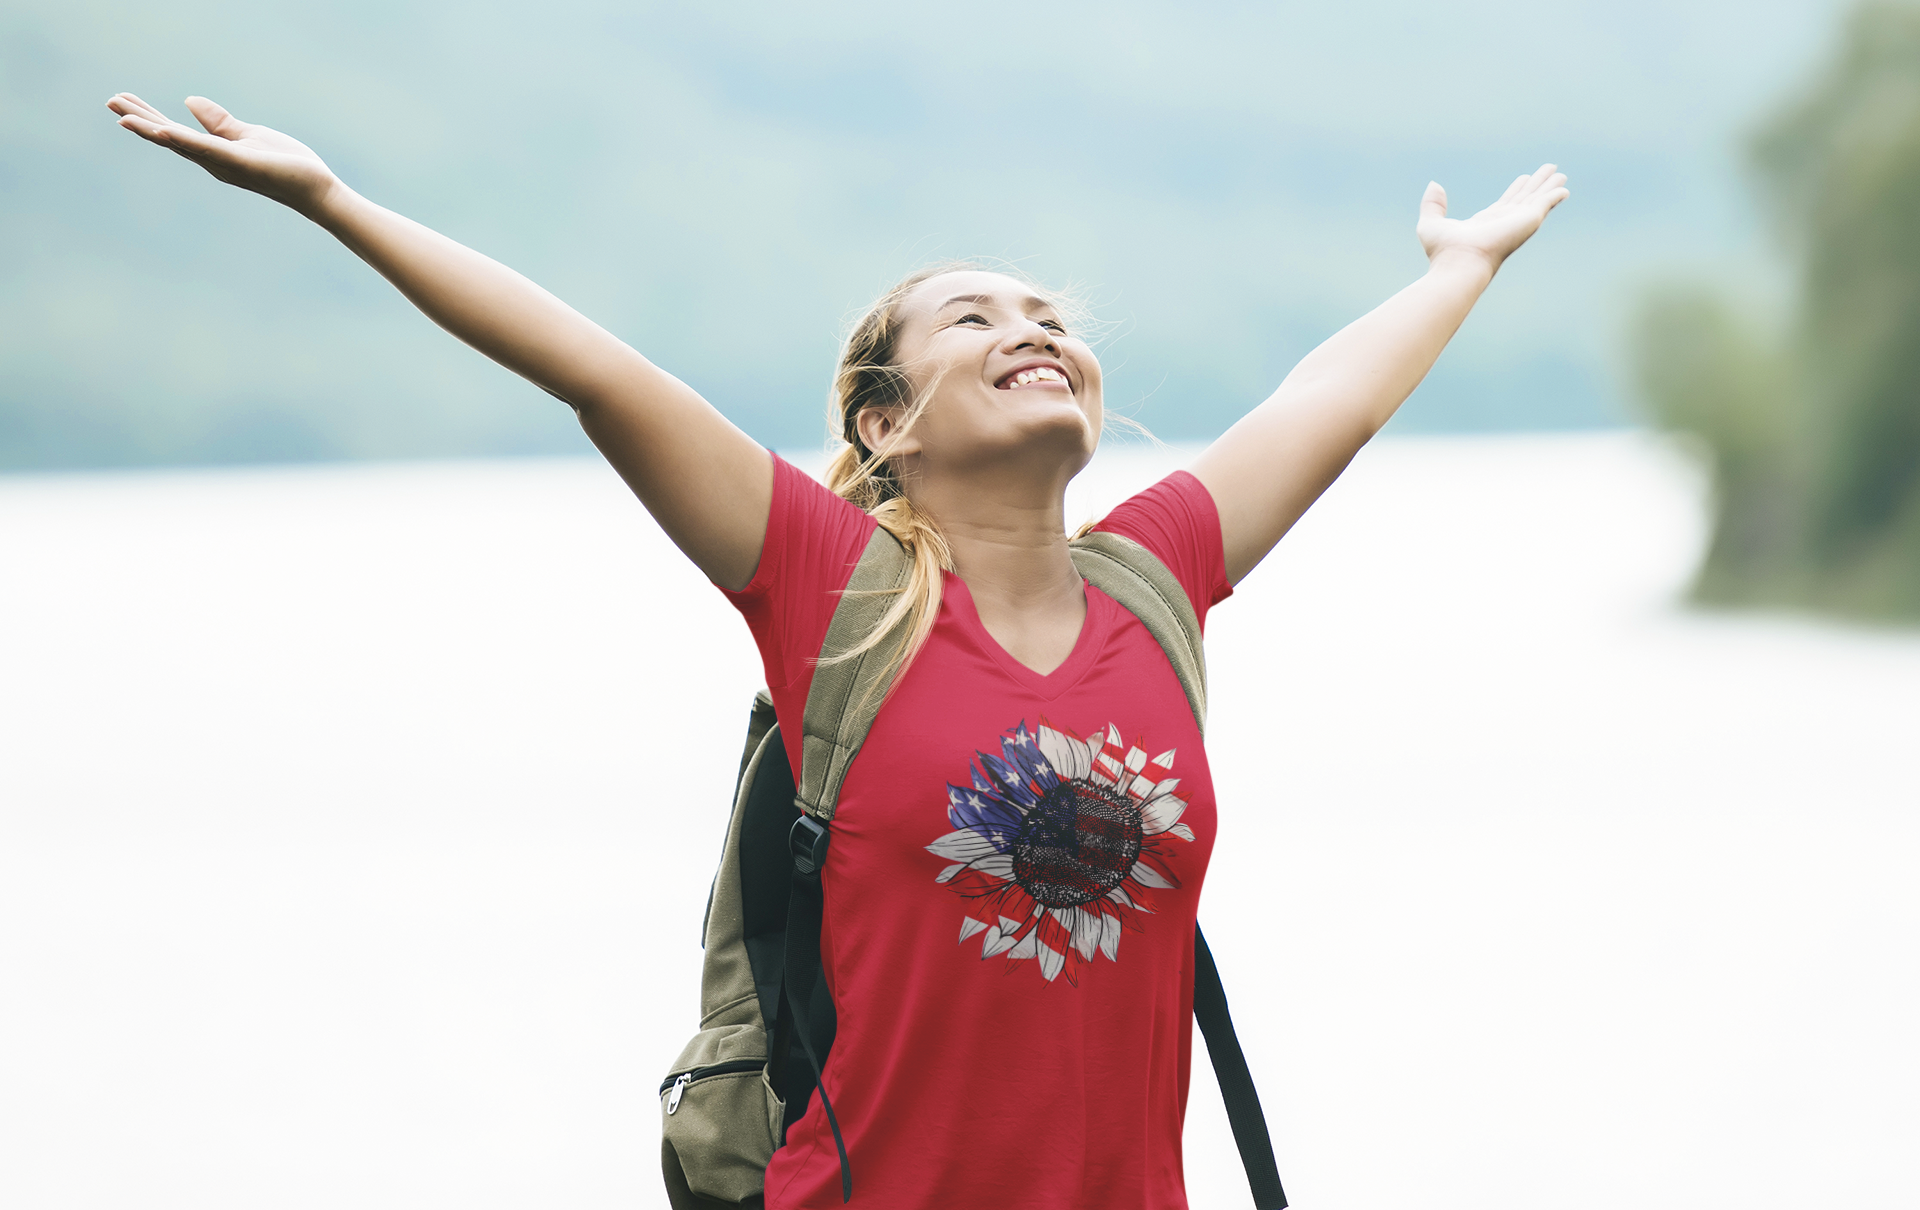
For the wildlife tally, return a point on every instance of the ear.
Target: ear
(880, 426)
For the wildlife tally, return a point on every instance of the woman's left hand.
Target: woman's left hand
(1495, 232)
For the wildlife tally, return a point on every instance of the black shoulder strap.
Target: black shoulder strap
(841, 704)
(1236, 1081)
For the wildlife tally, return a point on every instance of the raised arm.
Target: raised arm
(706, 482)
(1269, 467)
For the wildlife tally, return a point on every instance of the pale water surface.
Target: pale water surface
(355, 827)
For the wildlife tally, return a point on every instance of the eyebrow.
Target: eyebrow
(987, 300)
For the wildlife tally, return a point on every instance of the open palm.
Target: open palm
(1499, 229)
(256, 158)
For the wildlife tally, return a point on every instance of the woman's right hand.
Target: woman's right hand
(255, 158)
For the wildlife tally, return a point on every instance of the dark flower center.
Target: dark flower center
(1076, 844)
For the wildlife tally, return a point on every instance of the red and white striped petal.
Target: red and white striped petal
(1159, 814)
(1070, 758)
(1146, 875)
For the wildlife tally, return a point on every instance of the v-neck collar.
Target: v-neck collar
(1093, 631)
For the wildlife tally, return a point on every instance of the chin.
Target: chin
(1069, 437)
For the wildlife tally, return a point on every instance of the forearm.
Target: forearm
(1267, 469)
(1361, 375)
(489, 306)
(707, 483)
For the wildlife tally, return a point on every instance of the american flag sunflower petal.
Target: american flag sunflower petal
(1157, 815)
(1146, 875)
(1067, 755)
(1000, 865)
(1052, 962)
(964, 845)
(1086, 932)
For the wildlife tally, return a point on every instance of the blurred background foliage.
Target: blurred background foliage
(722, 184)
(1811, 418)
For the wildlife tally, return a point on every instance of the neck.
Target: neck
(1007, 533)
(1005, 526)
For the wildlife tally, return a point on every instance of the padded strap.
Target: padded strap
(846, 695)
(1129, 573)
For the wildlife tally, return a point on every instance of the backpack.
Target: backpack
(766, 1018)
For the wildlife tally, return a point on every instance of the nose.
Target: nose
(1031, 334)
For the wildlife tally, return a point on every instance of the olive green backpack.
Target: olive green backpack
(766, 1020)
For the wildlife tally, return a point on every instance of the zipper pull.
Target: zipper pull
(674, 1093)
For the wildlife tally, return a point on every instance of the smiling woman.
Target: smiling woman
(1044, 392)
(1028, 723)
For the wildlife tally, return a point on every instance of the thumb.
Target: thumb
(1433, 203)
(217, 120)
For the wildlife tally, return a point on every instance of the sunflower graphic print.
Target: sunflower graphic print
(1058, 845)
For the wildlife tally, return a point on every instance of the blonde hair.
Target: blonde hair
(869, 374)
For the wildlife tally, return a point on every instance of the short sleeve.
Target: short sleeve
(814, 540)
(1176, 519)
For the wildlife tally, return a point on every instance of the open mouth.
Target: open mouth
(1034, 376)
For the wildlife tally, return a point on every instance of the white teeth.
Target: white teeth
(1037, 374)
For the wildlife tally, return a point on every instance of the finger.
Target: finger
(217, 120)
(126, 102)
(1514, 189)
(1433, 203)
(1541, 191)
(145, 127)
(172, 135)
(1540, 176)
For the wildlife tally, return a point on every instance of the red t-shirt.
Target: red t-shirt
(1010, 891)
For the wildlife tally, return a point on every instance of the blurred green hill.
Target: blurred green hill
(1813, 421)
(722, 185)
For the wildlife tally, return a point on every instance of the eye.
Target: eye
(1054, 325)
(972, 318)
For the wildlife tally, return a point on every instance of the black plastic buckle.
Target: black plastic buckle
(808, 843)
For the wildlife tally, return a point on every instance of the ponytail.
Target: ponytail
(869, 375)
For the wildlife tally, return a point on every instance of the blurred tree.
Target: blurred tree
(1815, 437)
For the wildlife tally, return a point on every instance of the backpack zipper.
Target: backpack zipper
(675, 1087)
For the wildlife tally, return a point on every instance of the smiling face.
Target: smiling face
(1004, 380)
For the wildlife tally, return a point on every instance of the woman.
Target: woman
(1042, 1061)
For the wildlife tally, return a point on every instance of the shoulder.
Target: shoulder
(813, 538)
(1177, 521)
